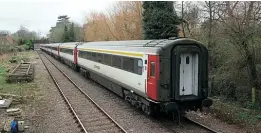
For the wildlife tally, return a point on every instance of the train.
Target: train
(158, 75)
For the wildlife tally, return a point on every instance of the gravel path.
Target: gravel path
(49, 113)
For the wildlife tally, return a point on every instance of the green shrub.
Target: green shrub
(20, 48)
(26, 47)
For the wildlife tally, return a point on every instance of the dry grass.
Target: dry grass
(232, 113)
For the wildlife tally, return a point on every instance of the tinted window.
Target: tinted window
(116, 61)
(140, 66)
(81, 54)
(187, 60)
(88, 55)
(107, 59)
(99, 57)
(85, 55)
(93, 57)
(128, 64)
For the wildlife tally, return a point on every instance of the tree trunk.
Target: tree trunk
(182, 14)
(253, 72)
(210, 47)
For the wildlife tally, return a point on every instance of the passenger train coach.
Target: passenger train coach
(167, 75)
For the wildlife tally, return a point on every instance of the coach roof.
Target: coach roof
(138, 46)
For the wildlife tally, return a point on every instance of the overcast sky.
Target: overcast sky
(40, 15)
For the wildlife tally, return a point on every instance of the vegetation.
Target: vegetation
(65, 31)
(66, 36)
(233, 113)
(23, 90)
(22, 40)
(159, 20)
(24, 36)
(72, 33)
(122, 22)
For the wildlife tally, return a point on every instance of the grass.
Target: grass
(2, 75)
(15, 88)
(233, 113)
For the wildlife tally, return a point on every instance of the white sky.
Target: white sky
(40, 15)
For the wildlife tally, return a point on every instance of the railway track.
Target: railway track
(188, 126)
(201, 125)
(88, 114)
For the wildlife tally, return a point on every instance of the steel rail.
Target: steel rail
(204, 126)
(64, 97)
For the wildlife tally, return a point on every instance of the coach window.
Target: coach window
(140, 67)
(187, 60)
(82, 54)
(107, 59)
(152, 69)
(89, 55)
(93, 58)
(116, 61)
(128, 64)
(99, 57)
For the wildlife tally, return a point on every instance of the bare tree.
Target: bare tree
(241, 21)
(123, 22)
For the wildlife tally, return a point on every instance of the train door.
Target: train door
(58, 50)
(188, 83)
(75, 54)
(153, 74)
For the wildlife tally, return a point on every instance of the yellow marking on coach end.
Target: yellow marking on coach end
(113, 52)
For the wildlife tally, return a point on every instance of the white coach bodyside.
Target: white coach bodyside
(54, 48)
(48, 48)
(44, 46)
(66, 51)
(129, 80)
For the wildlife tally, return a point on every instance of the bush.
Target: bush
(231, 76)
(20, 48)
(26, 47)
